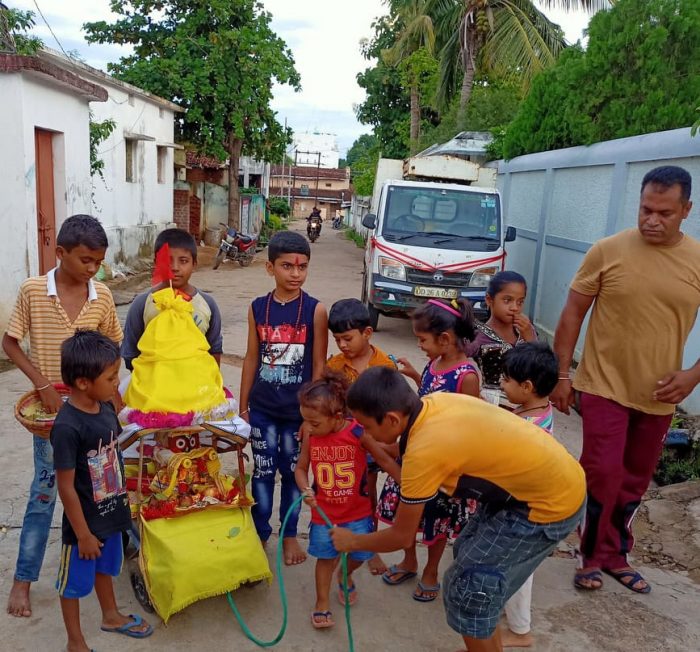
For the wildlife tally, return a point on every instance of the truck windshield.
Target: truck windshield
(446, 219)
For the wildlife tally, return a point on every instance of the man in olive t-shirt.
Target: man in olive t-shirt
(644, 286)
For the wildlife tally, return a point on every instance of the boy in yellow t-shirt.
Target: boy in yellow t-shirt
(349, 322)
(464, 446)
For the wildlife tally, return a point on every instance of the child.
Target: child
(183, 262)
(49, 309)
(506, 327)
(90, 478)
(530, 373)
(349, 322)
(529, 501)
(287, 346)
(442, 330)
(336, 448)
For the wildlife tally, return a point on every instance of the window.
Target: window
(328, 185)
(130, 160)
(162, 162)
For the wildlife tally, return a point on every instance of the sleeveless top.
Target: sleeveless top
(544, 420)
(285, 354)
(487, 348)
(447, 380)
(339, 464)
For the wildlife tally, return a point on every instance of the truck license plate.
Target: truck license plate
(439, 293)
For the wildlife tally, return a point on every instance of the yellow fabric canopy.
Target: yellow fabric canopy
(174, 372)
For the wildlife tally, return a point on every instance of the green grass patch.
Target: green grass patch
(356, 237)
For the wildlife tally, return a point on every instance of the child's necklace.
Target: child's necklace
(286, 301)
(274, 358)
(537, 407)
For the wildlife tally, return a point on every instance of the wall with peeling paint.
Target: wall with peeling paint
(134, 212)
(29, 102)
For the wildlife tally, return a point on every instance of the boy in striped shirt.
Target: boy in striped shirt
(49, 309)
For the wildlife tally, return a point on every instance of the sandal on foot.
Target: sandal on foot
(352, 594)
(425, 593)
(128, 628)
(403, 575)
(633, 578)
(592, 576)
(324, 624)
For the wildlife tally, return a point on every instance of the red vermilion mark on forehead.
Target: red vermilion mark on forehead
(296, 261)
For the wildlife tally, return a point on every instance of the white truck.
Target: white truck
(436, 230)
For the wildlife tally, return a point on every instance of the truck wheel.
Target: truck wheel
(218, 260)
(373, 312)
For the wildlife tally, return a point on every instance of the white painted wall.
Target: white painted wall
(133, 212)
(29, 102)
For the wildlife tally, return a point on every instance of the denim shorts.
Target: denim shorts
(493, 556)
(321, 544)
(76, 577)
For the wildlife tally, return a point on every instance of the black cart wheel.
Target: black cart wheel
(139, 587)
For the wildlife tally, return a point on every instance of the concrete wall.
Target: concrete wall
(133, 212)
(563, 201)
(27, 103)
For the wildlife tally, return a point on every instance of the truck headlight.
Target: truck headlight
(391, 268)
(482, 277)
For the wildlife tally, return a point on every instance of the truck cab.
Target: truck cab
(431, 239)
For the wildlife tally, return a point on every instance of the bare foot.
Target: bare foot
(18, 604)
(376, 565)
(139, 626)
(511, 639)
(293, 553)
(78, 646)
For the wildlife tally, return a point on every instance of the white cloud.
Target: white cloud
(324, 36)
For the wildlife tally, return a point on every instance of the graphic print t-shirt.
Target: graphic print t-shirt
(88, 443)
(339, 465)
(285, 360)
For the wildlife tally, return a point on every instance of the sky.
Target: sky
(323, 35)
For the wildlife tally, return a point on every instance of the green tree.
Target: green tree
(362, 159)
(412, 53)
(387, 103)
(365, 143)
(15, 26)
(218, 59)
(496, 36)
(640, 73)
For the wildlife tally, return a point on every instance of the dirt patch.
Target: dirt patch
(657, 633)
(6, 365)
(232, 359)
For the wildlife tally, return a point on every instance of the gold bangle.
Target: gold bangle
(41, 389)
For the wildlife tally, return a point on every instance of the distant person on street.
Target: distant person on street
(315, 214)
(644, 286)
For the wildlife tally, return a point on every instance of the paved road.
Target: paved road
(385, 618)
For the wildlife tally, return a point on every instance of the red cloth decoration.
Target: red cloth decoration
(161, 271)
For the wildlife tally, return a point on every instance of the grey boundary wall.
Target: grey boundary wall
(562, 201)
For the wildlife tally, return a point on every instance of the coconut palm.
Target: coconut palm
(496, 36)
(415, 32)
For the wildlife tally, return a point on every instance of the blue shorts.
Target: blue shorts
(321, 544)
(76, 576)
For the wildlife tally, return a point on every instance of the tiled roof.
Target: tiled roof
(309, 172)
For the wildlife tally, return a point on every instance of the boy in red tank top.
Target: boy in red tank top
(336, 449)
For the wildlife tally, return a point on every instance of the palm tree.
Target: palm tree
(496, 36)
(414, 32)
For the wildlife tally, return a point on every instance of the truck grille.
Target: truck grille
(449, 280)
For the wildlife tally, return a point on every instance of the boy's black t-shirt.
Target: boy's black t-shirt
(88, 443)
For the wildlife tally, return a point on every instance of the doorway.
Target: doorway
(45, 199)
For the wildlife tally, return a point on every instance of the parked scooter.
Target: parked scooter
(313, 230)
(236, 246)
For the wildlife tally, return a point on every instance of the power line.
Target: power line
(51, 30)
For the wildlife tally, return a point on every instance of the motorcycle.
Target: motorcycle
(313, 230)
(236, 246)
(338, 222)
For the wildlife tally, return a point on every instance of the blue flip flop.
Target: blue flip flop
(403, 575)
(422, 589)
(127, 628)
(632, 575)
